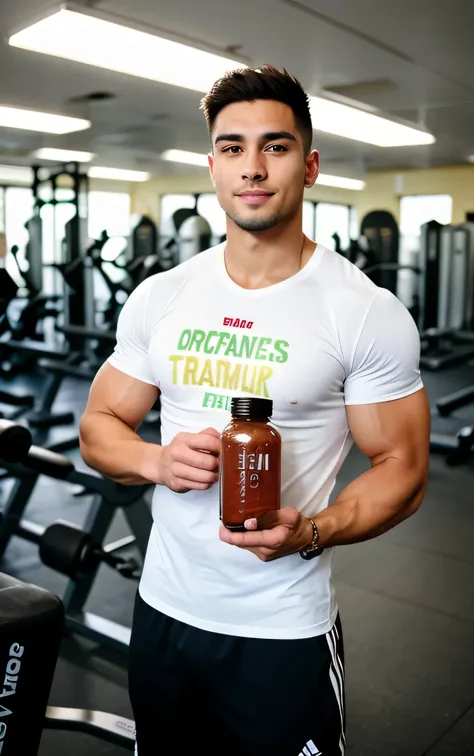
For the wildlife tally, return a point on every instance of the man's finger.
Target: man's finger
(271, 539)
(194, 474)
(211, 432)
(200, 460)
(272, 518)
(207, 442)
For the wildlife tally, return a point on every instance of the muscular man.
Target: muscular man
(236, 639)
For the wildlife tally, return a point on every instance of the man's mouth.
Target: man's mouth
(257, 197)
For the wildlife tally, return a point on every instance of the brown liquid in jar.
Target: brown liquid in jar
(250, 471)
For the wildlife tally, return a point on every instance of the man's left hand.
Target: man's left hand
(276, 534)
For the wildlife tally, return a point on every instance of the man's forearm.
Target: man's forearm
(112, 448)
(372, 504)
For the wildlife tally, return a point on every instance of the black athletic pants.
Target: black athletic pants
(234, 696)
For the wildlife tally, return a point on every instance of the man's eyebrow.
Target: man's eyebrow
(229, 138)
(274, 135)
(268, 137)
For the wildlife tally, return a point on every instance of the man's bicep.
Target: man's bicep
(398, 428)
(116, 393)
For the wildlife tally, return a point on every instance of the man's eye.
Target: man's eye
(277, 148)
(232, 149)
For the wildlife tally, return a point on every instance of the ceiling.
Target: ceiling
(413, 60)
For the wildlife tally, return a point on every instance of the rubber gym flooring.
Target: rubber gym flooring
(406, 599)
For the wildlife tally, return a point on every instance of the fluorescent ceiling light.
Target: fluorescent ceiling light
(340, 182)
(345, 121)
(63, 156)
(33, 120)
(182, 156)
(198, 158)
(16, 174)
(117, 174)
(97, 42)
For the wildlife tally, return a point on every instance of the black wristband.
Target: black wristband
(313, 550)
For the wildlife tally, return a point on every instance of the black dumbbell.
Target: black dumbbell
(72, 552)
(15, 441)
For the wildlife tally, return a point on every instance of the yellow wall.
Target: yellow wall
(383, 190)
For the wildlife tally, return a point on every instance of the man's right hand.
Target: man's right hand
(190, 461)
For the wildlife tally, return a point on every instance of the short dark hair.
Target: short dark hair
(262, 83)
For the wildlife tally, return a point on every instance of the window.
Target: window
(55, 218)
(415, 211)
(109, 211)
(332, 219)
(17, 210)
(354, 228)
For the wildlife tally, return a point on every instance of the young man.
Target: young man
(236, 640)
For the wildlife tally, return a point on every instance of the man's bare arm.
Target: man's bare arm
(110, 444)
(396, 437)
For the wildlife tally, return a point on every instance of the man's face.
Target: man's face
(259, 167)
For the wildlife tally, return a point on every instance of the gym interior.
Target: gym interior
(104, 182)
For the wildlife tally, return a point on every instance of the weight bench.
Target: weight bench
(107, 498)
(30, 636)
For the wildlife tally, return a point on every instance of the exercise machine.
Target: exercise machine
(446, 295)
(30, 636)
(26, 309)
(31, 631)
(380, 229)
(70, 552)
(134, 263)
(194, 236)
(457, 447)
(376, 253)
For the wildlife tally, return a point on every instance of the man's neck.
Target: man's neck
(255, 260)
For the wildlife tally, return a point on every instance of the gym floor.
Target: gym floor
(406, 600)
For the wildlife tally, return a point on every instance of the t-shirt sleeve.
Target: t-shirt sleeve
(130, 355)
(385, 361)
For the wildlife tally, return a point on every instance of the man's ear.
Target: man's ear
(312, 169)
(210, 160)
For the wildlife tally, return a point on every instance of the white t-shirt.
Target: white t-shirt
(322, 339)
